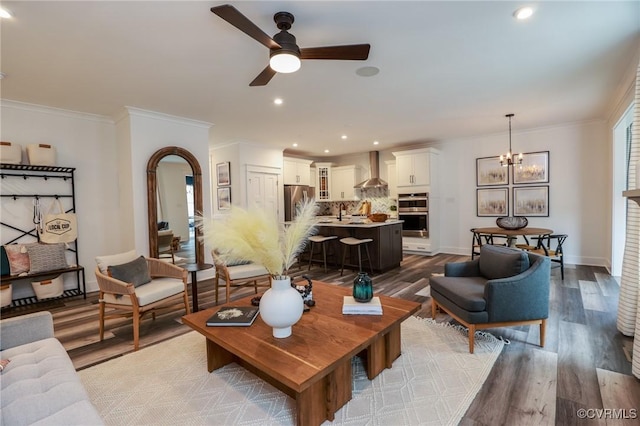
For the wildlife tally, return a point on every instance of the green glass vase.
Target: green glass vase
(362, 288)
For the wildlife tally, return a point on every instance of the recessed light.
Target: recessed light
(4, 13)
(523, 13)
(326, 151)
(367, 71)
(277, 101)
(295, 144)
(343, 136)
(376, 142)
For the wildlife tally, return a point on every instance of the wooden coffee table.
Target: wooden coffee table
(313, 365)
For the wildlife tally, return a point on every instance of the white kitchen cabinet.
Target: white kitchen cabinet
(313, 180)
(343, 179)
(413, 168)
(323, 181)
(391, 179)
(296, 171)
(417, 171)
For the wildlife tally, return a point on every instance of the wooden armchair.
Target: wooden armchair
(168, 286)
(165, 244)
(238, 275)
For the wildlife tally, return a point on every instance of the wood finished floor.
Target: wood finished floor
(583, 365)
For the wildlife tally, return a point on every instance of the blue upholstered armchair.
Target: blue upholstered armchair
(503, 287)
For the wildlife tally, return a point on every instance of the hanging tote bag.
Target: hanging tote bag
(58, 227)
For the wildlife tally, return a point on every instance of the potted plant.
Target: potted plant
(257, 237)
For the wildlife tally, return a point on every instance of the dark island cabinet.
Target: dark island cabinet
(385, 249)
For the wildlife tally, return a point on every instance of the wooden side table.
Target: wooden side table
(193, 268)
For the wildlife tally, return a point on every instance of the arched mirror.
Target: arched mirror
(174, 197)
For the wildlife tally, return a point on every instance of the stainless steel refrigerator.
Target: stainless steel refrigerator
(294, 194)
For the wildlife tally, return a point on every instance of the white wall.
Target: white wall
(244, 156)
(110, 161)
(85, 142)
(577, 187)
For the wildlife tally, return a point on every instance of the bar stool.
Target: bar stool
(321, 239)
(350, 242)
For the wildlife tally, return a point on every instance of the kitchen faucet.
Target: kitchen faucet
(340, 208)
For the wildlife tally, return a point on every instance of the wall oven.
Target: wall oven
(413, 209)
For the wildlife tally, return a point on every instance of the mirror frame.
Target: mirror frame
(152, 202)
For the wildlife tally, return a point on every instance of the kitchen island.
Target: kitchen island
(385, 249)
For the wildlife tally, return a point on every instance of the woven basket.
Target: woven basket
(378, 217)
(512, 222)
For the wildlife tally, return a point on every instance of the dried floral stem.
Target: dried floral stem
(255, 236)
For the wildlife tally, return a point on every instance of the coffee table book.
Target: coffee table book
(352, 307)
(234, 316)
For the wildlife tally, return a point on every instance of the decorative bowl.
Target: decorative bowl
(378, 217)
(512, 222)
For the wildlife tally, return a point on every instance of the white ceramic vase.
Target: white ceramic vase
(281, 307)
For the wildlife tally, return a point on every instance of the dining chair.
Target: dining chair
(479, 239)
(551, 246)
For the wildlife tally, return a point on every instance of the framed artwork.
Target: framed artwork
(224, 174)
(534, 168)
(224, 198)
(531, 201)
(492, 202)
(489, 172)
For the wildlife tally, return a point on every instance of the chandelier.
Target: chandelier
(509, 159)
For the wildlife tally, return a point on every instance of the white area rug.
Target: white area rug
(432, 383)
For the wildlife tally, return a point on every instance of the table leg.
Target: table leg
(194, 290)
(321, 400)
(382, 352)
(217, 356)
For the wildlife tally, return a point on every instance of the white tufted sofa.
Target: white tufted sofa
(40, 385)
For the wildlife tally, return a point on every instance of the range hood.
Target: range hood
(374, 181)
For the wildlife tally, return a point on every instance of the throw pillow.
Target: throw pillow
(18, 258)
(46, 257)
(238, 263)
(502, 262)
(115, 259)
(5, 268)
(135, 272)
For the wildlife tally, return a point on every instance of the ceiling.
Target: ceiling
(447, 69)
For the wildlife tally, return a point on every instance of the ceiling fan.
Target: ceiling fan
(285, 55)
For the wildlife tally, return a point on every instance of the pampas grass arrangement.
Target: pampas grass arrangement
(258, 237)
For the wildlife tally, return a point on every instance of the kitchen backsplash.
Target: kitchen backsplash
(332, 208)
(378, 205)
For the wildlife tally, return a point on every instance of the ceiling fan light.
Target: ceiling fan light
(284, 62)
(523, 13)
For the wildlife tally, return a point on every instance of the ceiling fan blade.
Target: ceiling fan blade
(352, 52)
(264, 77)
(241, 22)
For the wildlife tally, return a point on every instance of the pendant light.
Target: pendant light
(509, 159)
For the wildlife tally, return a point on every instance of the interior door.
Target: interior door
(262, 191)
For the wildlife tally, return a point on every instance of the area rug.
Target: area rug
(433, 382)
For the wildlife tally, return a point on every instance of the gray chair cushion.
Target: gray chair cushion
(465, 292)
(502, 262)
(135, 272)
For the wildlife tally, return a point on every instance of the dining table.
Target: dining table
(511, 234)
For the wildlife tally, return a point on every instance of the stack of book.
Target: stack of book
(351, 307)
(234, 316)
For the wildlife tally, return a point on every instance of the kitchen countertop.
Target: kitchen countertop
(358, 222)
